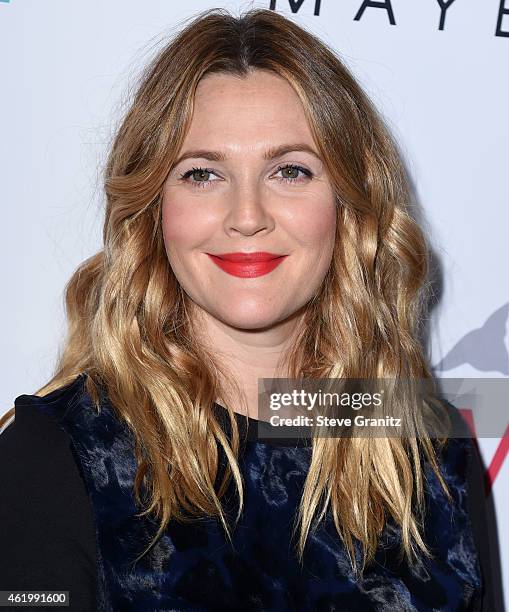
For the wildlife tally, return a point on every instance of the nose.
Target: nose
(248, 209)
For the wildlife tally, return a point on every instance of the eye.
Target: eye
(291, 173)
(199, 173)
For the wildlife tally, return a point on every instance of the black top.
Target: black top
(44, 487)
(40, 486)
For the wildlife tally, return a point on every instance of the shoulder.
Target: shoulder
(74, 412)
(467, 471)
(36, 457)
(457, 458)
(57, 404)
(48, 536)
(32, 441)
(456, 454)
(457, 526)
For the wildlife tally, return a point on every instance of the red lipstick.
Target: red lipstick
(247, 265)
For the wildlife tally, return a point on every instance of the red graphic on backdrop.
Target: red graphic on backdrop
(498, 458)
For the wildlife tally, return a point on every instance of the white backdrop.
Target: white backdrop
(439, 76)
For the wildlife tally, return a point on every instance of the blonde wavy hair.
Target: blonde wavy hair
(128, 326)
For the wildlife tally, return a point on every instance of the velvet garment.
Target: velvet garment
(193, 567)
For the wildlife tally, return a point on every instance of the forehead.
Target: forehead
(247, 108)
(256, 83)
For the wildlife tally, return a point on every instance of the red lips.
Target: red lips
(249, 257)
(247, 265)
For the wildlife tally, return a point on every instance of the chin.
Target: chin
(251, 321)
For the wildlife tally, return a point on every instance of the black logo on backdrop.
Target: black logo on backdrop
(385, 5)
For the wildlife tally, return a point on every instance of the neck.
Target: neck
(248, 355)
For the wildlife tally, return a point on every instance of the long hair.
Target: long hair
(128, 323)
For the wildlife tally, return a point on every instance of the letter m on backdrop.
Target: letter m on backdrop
(295, 5)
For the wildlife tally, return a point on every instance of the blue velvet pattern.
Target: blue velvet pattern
(193, 567)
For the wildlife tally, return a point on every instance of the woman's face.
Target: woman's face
(236, 193)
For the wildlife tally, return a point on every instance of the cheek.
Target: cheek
(315, 227)
(182, 225)
(174, 222)
(180, 234)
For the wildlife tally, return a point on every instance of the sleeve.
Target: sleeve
(478, 513)
(47, 539)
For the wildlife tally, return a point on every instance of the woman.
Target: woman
(246, 136)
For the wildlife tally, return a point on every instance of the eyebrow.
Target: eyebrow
(271, 153)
